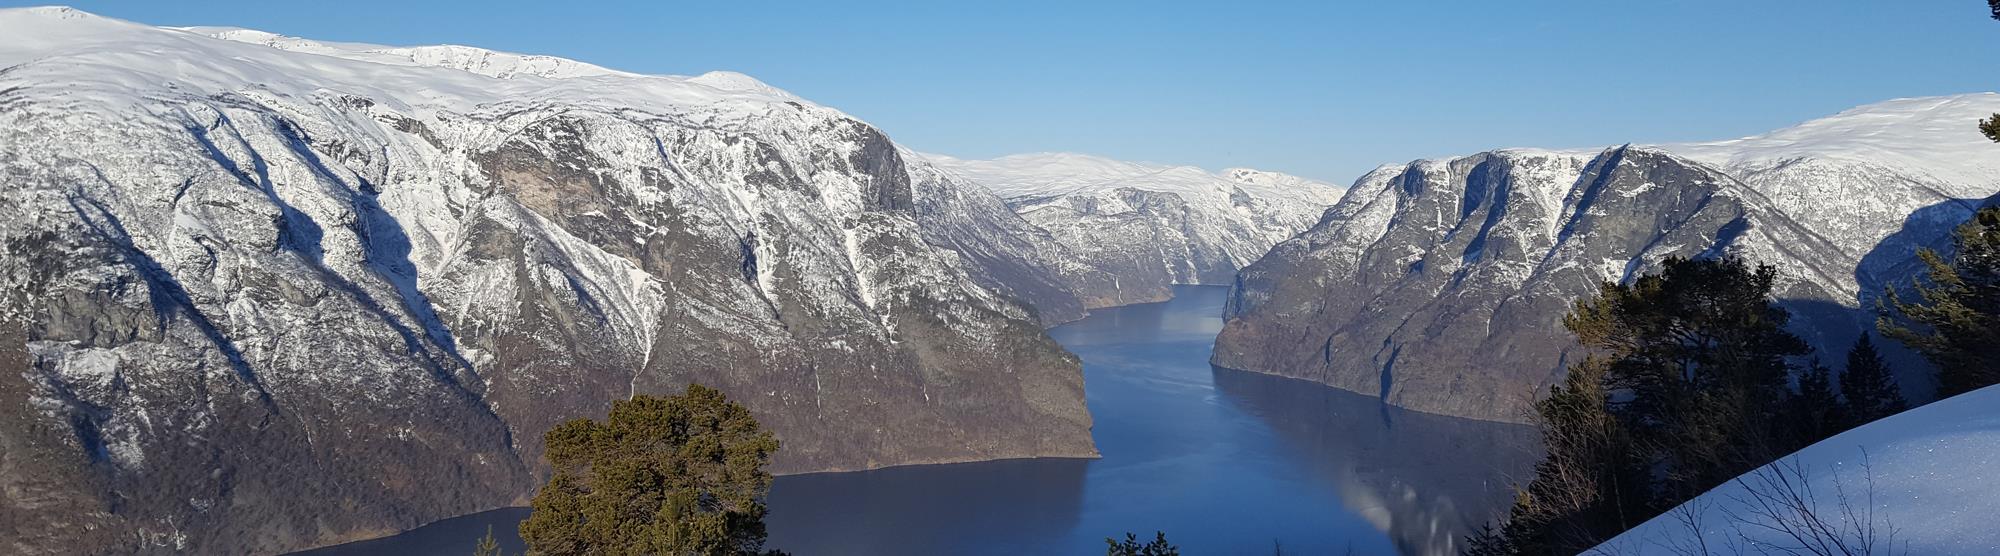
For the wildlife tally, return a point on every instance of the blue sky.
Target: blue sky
(1320, 89)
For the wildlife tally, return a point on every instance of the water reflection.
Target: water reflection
(454, 536)
(903, 510)
(1424, 479)
(1225, 462)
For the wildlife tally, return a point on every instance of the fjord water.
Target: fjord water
(1225, 462)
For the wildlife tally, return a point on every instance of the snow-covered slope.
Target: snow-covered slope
(1920, 482)
(480, 61)
(260, 293)
(1013, 255)
(1877, 181)
(1438, 285)
(1151, 226)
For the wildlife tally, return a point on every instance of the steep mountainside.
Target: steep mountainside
(263, 293)
(1440, 285)
(1007, 253)
(1877, 181)
(1148, 227)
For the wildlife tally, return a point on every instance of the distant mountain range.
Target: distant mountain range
(1439, 285)
(1151, 226)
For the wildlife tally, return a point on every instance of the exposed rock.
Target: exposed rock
(259, 299)
(1009, 254)
(1440, 285)
(1131, 231)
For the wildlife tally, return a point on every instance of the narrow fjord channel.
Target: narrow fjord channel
(1223, 461)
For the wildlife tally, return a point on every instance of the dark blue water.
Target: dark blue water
(1225, 462)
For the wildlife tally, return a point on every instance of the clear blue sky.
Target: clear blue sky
(1321, 89)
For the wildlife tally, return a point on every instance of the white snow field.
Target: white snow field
(1923, 482)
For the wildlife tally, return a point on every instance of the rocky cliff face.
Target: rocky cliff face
(1132, 231)
(267, 295)
(1440, 285)
(1007, 253)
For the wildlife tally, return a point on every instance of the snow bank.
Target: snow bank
(1935, 478)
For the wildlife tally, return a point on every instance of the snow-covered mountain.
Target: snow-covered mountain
(1151, 226)
(263, 293)
(1876, 182)
(1439, 285)
(1919, 482)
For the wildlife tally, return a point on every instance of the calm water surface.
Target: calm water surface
(1226, 462)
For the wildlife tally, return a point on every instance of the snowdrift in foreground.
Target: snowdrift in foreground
(1922, 482)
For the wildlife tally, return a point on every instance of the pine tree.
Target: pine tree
(1868, 385)
(488, 546)
(1704, 359)
(1488, 542)
(1955, 319)
(1688, 385)
(1587, 487)
(1131, 546)
(1991, 127)
(1817, 411)
(680, 475)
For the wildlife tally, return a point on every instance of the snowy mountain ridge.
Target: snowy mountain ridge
(490, 63)
(1051, 174)
(1465, 261)
(1924, 133)
(481, 61)
(1150, 226)
(1869, 179)
(269, 295)
(105, 55)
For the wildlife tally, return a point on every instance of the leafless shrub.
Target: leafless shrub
(1777, 511)
(1688, 516)
(1778, 501)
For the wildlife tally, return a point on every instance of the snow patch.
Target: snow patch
(1927, 475)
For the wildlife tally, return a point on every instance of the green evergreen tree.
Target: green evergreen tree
(1703, 359)
(1991, 126)
(1131, 546)
(1868, 385)
(1955, 319)
(1817, 411)
(1688, 384)
(1588, 485)
(1488, 541)
(488, 546)
(681, 475)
